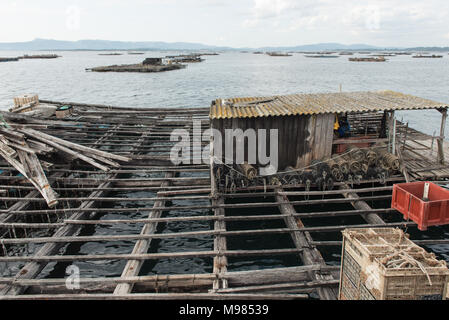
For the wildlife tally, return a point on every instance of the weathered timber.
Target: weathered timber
(310, 255)
(133, 267)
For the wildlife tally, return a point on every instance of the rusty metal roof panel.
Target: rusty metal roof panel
(298, 104)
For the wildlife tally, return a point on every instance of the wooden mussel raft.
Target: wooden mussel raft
(368, 59)
(20, 147)
(110, 54)
(136, 203)
(9, 59)
(185, 58)
(40, 56)
(148, 65)
(433, 56)
(279, 54)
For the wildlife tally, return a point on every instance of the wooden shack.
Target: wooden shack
(152, 61)
(306, 122)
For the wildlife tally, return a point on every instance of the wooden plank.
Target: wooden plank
(147, 256)
(362, 205)
(46, 138)
(280, 286)
(32, 269)
(220, 245)
(309, 254)
(160, 296)
(133, 267)
(352, 141)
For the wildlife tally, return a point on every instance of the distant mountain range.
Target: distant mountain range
(48, 44)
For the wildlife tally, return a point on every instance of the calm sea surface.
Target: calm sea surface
(223, 76)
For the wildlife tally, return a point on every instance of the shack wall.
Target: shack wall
(301, 139)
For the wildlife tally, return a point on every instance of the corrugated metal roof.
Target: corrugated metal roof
(298, 104)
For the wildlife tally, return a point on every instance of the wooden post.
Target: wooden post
(441, 138)
(213, 185)
(393, 147)
(390, 130)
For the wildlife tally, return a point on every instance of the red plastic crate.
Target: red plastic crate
(407, 199)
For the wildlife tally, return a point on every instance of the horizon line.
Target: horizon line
(229, 46)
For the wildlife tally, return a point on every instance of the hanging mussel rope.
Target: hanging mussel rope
(342, 163)
(388, 160)
(354, 165)
(371, 157)
(336, 170)
(355, 153)
(248, 171)
(351, 167)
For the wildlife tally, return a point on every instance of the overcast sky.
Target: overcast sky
(239, 23)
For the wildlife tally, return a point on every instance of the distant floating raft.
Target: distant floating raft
(320, 56)
(110, 54)
(277, 54)
(138, 68)
(9, 59)
(433, 56)
(40, 56)
(371, 59)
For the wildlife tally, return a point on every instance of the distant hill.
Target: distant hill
(48, 44)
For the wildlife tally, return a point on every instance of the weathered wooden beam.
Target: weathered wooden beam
(160, 296)
(133, 267)
(359, 204)
(441, 139)
(356, 141)
(220, 245)
(194, 234)
(309, 254)
(33, 268)
(148, 256)
(291, 285)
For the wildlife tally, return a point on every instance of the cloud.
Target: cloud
(244, 22)
(271, 8)
(360, 20)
